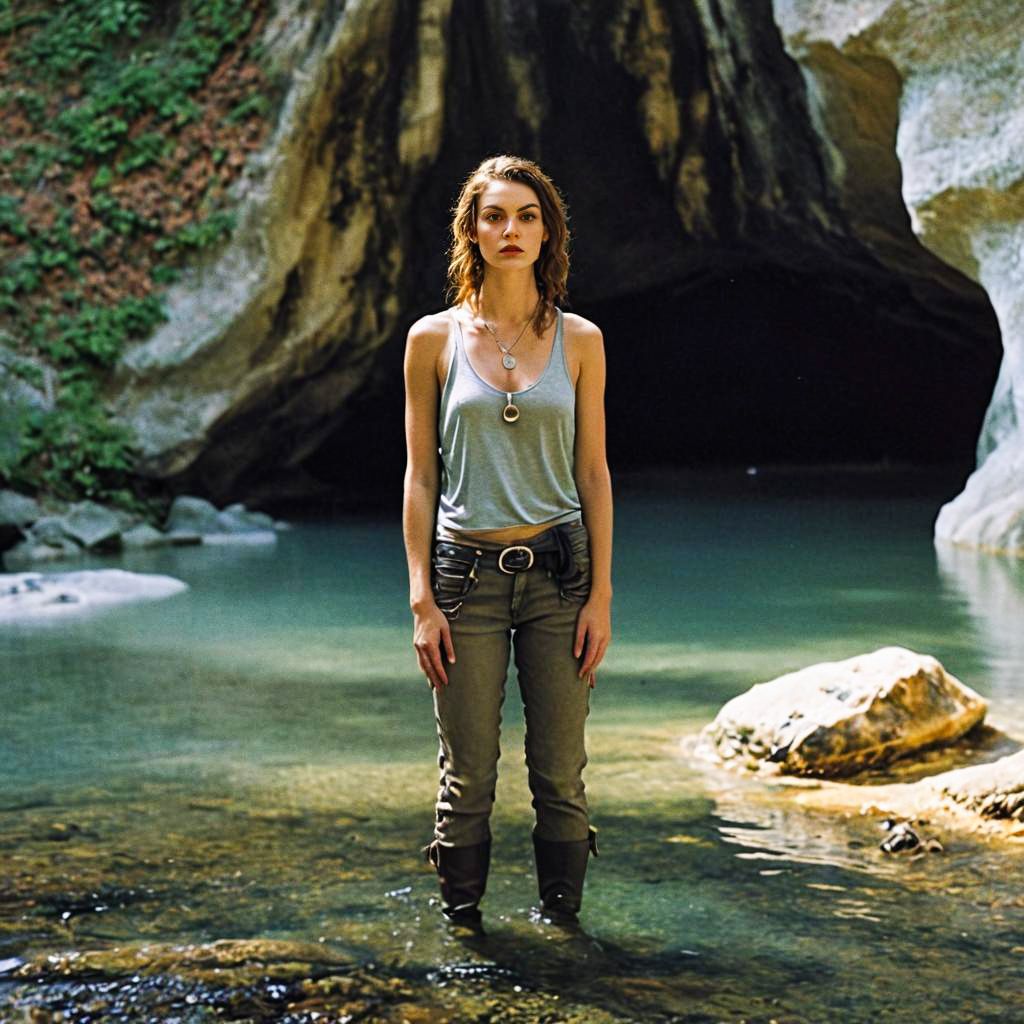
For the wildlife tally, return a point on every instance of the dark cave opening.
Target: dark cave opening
(755, 367)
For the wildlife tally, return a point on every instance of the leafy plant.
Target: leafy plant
(74, 450)
(95, 335)
(111, 138)
(11, 220)
(145, 149)
(199, 234)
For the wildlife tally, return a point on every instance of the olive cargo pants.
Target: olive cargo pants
(533, 615)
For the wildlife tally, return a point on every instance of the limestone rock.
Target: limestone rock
(16, 512)
(252, 519)
(18, 509)
(307, 287)
(341, 219)
(31, 552)
(943, 80)
(989, 512)
(993, 790)
(985, 800)
(37, 595)
(92, 525)
(195, 515)
(839, 717)
(49, 530)
(190, 516)
(145, 536)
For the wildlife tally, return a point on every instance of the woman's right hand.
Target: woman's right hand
(430, 631)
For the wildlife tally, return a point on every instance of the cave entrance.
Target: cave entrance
(756, 365)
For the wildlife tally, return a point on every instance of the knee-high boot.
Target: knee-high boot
(561, 867)
(462, 872)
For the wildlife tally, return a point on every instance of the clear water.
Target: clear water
(255, 757)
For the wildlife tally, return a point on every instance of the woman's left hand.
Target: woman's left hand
(593, 634)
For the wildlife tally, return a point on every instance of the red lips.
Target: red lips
(511, 248)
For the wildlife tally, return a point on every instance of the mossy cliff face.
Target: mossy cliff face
(263, 346)
(690, 145)
(125, 124)
(936, 86)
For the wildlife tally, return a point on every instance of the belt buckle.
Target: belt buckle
(517, 552)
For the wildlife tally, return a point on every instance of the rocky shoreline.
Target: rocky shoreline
(31, 533)
(863, 716)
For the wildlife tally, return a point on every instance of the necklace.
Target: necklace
(507, 359)
(511, 411)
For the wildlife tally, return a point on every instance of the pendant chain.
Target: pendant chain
(508, 360)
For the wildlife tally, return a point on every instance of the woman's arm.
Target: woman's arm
(424, 345)
(593, 481)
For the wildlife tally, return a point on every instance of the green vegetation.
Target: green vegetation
(125, 123)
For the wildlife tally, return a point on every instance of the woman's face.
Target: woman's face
(509, 228)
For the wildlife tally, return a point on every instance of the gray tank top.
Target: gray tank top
(498, 474)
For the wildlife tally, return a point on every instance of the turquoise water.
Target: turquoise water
(255, 757)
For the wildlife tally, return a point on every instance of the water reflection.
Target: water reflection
(252, 763)
(991, 589)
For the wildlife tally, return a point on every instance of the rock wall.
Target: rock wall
(682, 132)
(936, 85)
(270, 339)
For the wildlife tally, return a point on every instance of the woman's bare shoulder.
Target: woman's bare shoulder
(579, 330)
(430, 331)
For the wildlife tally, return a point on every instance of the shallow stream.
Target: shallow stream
(212, 806)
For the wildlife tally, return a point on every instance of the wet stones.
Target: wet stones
(30, 534)
(838, 718)
(92, 525)
(901, 837)
(993, 791)
(18, 509)
(196, 517)
(835, 719)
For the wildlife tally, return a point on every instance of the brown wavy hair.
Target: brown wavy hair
(466, 265)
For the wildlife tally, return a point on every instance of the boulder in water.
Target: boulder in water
(837, 718)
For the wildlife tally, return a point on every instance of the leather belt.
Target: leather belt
(547, 552)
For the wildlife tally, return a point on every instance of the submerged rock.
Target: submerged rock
(902, 837)
(840, 717)
(35, 595)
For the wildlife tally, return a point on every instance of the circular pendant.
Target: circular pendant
(509, 362)
(510, 413)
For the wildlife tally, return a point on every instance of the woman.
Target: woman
(509, 538)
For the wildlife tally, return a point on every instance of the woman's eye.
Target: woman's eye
(529, 216)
